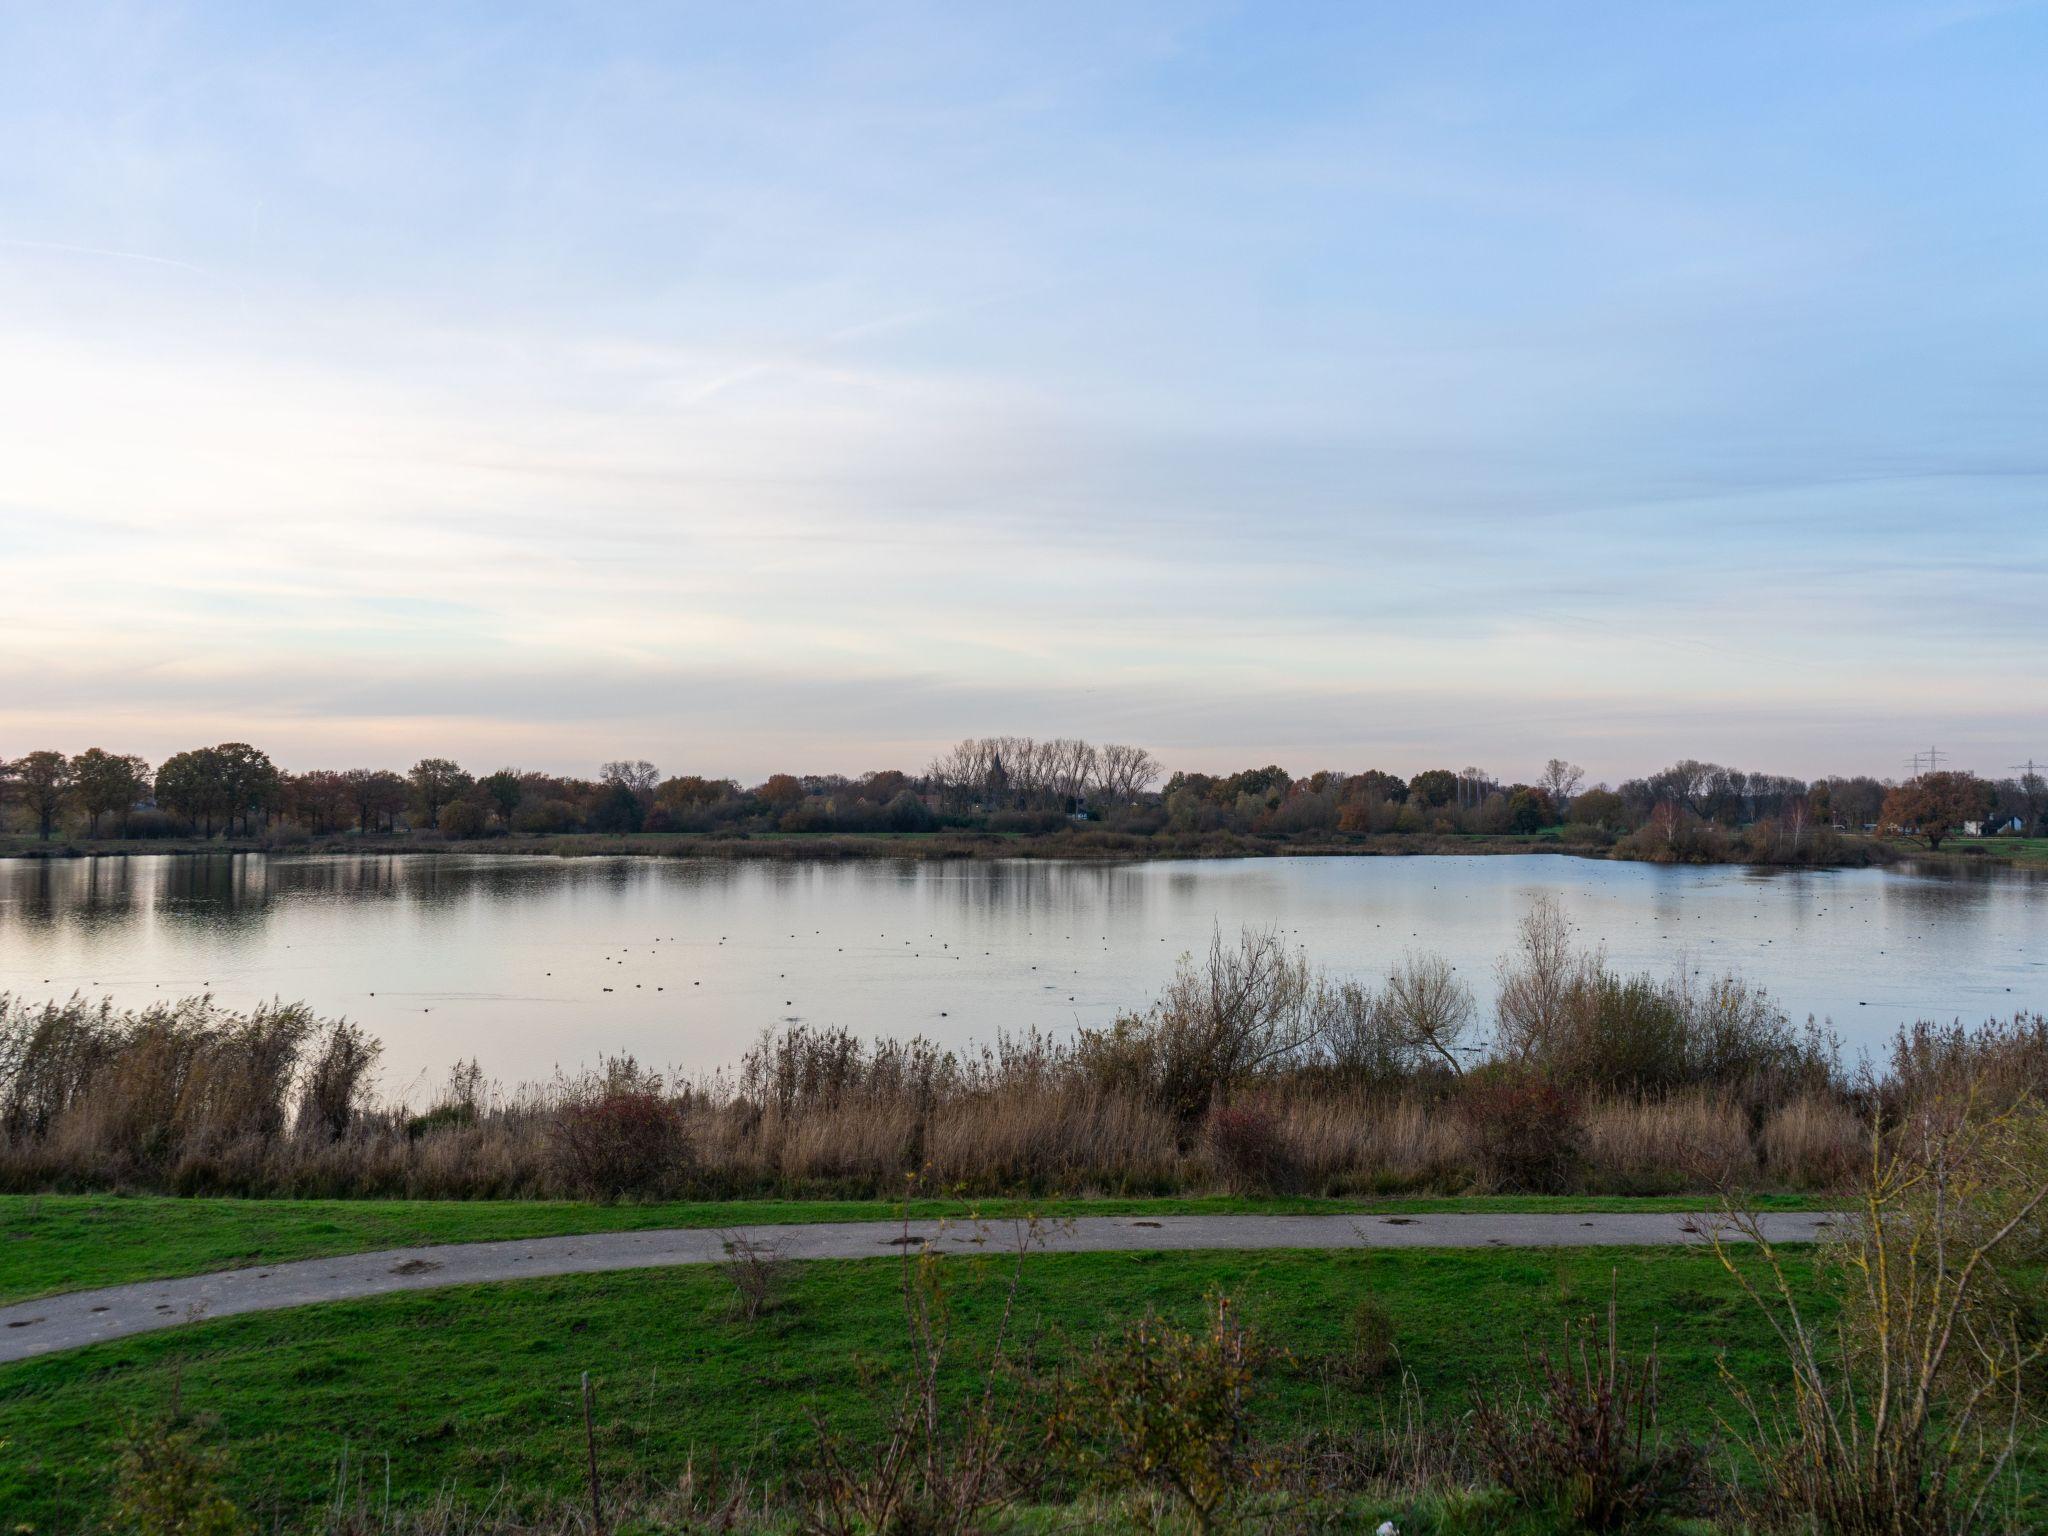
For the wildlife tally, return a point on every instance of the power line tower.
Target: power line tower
(2030, 786)
(1932, 758)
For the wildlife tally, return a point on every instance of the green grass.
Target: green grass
(2026, 851)
(2020, 850)
(474, 1389)
(51, 1243)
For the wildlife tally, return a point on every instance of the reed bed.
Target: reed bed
(1252, 1073)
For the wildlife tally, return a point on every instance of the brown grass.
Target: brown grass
(1232, 1081)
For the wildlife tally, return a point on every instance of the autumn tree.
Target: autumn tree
(108, 783)
(618, 808)
(780, 791)
(435, 781)
(1435, 787)
(1599, 808)
(1935, 805)
(42, 782)
(378, 794)
(250, 782)
(688, 792)
(463, 818)
(503, 790)
(320, 800)
(1529, 809)
(194, 785)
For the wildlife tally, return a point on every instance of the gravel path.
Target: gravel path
(87, 1317)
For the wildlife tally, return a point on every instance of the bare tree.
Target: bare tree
(1430, 1009)
(1058, 772)
(1070, 769)
(636, 774)
(1122, 773)
(960, 775)
(1244, 1009)
(1561, 780)
(1534, 1002)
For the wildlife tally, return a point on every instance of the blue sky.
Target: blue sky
(750, 387)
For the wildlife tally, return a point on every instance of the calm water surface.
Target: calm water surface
(507, 959)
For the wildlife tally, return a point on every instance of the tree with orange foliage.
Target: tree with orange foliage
(780, 791)
(1936, 804)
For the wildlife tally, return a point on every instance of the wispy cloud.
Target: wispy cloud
(748, 389)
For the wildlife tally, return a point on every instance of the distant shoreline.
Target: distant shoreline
(1079, 846)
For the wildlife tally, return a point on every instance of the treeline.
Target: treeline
(1000, 784)
(1692, 811)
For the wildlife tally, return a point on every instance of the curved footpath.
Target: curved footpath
(88, 1317)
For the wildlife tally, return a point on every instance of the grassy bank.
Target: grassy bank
(77, 1242)
(2019, 852)
(474, 1391)
(1073, 844)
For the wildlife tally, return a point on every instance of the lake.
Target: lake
(528, 963)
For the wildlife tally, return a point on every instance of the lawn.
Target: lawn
(51, 1243)
(475, 1390)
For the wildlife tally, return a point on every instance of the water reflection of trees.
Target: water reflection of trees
(41, 894)
(1019, 895)
(241, 890)
(1946, 893)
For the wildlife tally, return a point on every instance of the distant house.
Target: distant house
(1993, 828)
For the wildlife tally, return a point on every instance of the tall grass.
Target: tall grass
(1252, 1071)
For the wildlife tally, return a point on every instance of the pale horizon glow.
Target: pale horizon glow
(804, 388)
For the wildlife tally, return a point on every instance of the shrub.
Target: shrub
(1029, 823)
(1245, 1010)
(153, 825)
(756, 1269)
(1168, 1409)
(620, 1136)
(1907, 1420)
(1250, 1150)
(1583, 1443)
(1414, 1026)
(544, 816)
(1561, 1011)
(442, 1117)
(1371, 1350)
(947, 1463)
(462, 818)
(1523, 1129)
(167, 1484)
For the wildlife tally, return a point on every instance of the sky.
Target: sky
(758, 387)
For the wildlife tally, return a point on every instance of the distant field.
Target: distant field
(77, 1242)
